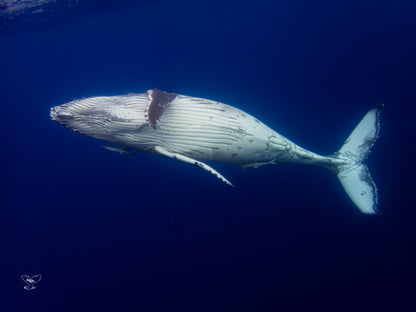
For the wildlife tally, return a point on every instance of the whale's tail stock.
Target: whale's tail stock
(353, 173)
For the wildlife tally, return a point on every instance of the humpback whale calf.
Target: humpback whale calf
(194, 130)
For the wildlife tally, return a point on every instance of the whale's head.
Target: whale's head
(84, 116)
(97, 117)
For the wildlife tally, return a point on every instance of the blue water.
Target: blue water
(113, 232)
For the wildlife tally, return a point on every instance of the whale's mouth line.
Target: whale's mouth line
(62, 116)
(52, 113)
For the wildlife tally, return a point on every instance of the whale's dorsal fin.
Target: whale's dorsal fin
(258, 164)
(163, 152)
(159, 100)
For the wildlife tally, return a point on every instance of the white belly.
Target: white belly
(208, 130)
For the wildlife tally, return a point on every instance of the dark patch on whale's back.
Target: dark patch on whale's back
(159, 100)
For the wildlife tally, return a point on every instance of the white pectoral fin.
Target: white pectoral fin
(118, 150)
(163, 152)
(115, 149)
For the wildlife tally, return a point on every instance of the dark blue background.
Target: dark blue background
(121, 233)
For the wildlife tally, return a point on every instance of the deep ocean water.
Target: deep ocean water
(112, 232)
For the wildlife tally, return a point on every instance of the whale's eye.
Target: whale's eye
(64, 116)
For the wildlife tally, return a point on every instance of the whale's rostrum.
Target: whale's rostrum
(195, 130)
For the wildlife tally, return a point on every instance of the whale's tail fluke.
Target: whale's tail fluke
(354, 174)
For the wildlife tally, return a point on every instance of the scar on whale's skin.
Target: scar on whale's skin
(159, 100)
